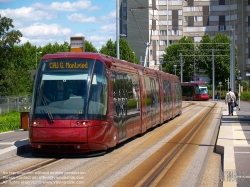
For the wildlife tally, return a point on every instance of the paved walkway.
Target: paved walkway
(13, 142)
(233, 142)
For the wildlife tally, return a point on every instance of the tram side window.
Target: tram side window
(114, 86)
(167, 88)
(149, 100)
(197, 90)
(152, 90)
(187, 91)
(177, 92)
(119, 92)
(156, 92)
(133, 92)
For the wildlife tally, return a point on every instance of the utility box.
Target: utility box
(25, 120)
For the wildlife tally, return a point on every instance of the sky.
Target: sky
(47, 21)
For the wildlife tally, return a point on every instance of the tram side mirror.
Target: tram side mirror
(32, 74)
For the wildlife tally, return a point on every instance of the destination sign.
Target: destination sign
(66, 65)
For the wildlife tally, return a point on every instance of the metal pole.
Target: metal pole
(181, 68)
(239, 96)
(220, 92)
(233, 63)
(161, 64)
(117, 30)
(194, 66)
(239, 79)
(213, 77)
(167, 23)
(36, 60)
(146, 55)
(231, 79)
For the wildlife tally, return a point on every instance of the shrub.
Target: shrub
(245, 96)
(10, 121)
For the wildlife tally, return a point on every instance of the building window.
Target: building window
(222, 28)
(124, 13)
(163, 42)
(179, 12)
(185, 18)
(163, 32)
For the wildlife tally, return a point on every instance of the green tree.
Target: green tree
(220, 44)
(89, 47)
(54, 48)
(198, 57)
(109, 49)
(8, 38)
(172, 57)
(126, 53)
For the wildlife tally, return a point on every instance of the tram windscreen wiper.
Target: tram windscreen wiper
(46, 106)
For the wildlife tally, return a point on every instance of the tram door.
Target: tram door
(119, 94)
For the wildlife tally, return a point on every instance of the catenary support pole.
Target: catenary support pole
(213, 76)
(117, 30)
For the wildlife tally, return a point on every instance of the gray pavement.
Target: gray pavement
(13, 143)
(233, 143)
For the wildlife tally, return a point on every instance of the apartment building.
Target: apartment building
(162, 22)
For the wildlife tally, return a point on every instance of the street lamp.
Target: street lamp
(175, 69)
(36, 57)
(134, 56)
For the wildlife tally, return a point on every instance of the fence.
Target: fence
(21, 104)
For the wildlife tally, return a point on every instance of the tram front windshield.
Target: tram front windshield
(71, 89)
(203, 89)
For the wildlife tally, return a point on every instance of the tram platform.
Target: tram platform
(233, 143)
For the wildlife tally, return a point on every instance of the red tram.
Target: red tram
(194, 91)
(87, 102)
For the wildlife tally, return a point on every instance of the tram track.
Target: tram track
(103, 170)
(147, 172)
(10, 175)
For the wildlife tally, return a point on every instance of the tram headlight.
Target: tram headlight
(37, 124)
(82, 123)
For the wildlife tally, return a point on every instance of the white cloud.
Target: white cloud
(111, 28)
(81, 18)
(98, 41)
(22, 14)
(67, 6)
(110, 17)
(36, 22)
(41, 30)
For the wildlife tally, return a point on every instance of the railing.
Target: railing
(21, 104)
